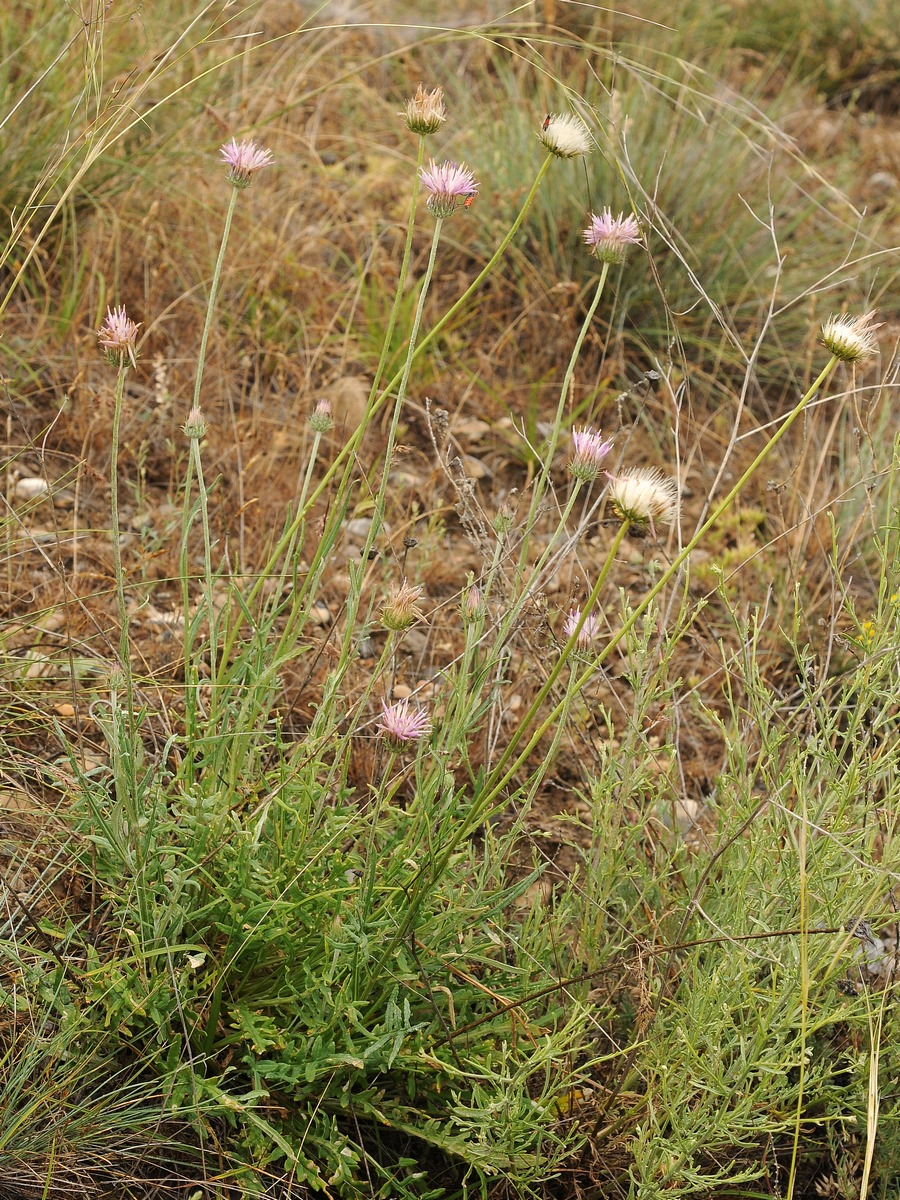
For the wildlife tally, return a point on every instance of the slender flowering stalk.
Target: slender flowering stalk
(244, 159)
(850, 339)
(589, 449)
(118, 335)
(400, 611)
(565, 135)
(586, 631)
(609, 237)
(425, 112)
(643, 498)
(448, 185)
(401, 726)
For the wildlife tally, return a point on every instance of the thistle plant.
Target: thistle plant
(117, 336)
(244, 160)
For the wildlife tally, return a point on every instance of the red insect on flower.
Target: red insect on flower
(467, 203)
(547, 121)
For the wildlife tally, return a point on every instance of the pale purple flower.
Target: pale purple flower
(643, 498)
(244, 159)
(118, 335)
(589, 449)
(589, 631)
(448, 185)
(400, 725)
(400, 611)
(850, 338)
(609, 236)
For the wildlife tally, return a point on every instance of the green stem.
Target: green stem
(124, 646)
(799, 785)
(190, 675)
(213, 293)
(194, 464)
(378, 520)
(495, 786)
(207, 571)
(401, 282)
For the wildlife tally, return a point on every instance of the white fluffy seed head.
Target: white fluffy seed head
(566, 136)
(644, 498)
(850, 339)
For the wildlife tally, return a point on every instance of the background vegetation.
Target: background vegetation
(623, 927)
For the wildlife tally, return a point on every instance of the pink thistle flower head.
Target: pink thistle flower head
(402, 726)
(320, 419)
(448, 184)
(565, 135)
(589, 449)
(643, 498)
(587, 634)
(117, 336)
(425, 112)
(400, 610)
(244, 159)
(609, 237)
(850, 339)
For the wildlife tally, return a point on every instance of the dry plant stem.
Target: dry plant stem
(347, 454)
(497, 782)
(124, 648)
(564, 391)
(873, 1092)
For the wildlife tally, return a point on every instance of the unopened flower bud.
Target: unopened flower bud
(196, 425)
(320, 419)
(473, 606)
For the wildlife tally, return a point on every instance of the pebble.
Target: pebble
(29, 487)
